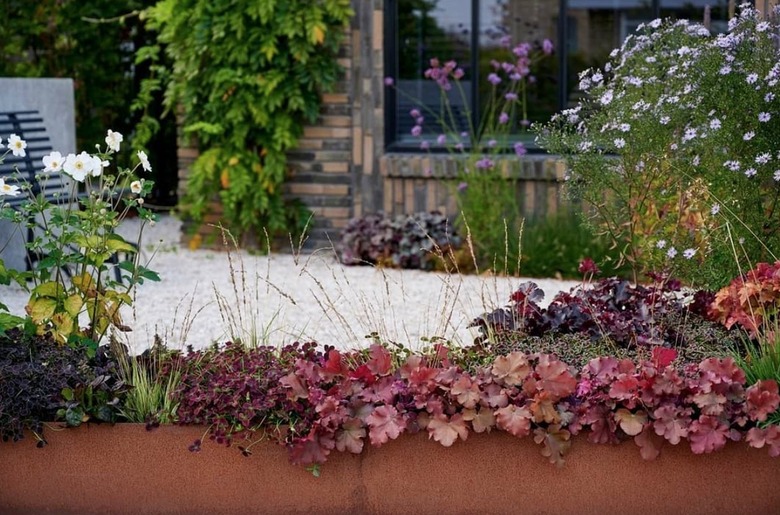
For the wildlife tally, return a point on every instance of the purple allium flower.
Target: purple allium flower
(462, 186)
(525, 123)
(520, 149)
(419, 120)
(416, 130)
(458, 73)
(464, 134)
(511, 96)
(503, 118)
(389, 81)
(414, 113)
(494, 79)
(522, 50)
(442, 139)
(459, 146)
(505, 41)
(547, 47)
(492, 143)
(425, 144)
(515, 77)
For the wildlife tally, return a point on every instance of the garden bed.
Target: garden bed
(125, 469)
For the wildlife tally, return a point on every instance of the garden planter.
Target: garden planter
(125, 469)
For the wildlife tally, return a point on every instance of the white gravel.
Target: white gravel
(207, 296)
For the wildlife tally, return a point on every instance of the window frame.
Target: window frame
(391, 57)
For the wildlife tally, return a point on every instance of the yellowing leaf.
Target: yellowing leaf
(83, 282)
(49, 289)
(116, 243)
(224, 179)
(41, 309)
(233, 161)
(63, 324)
(73, 304)
(317, 35)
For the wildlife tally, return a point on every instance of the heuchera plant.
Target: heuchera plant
(341, 401)
(750, 300)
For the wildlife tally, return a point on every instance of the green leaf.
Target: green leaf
(74, 416)
(67, 394)
(51, 289)
(148, 274)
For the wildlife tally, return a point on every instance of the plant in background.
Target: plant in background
(485, 185)
(405, 241)
(675, 146)
(72, 280)
(247, 76)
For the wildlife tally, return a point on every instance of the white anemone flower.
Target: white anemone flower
(17, 145)
(136, 187)
(52, 163)
(113, 140)
(8, 189)
(144, 161)
(78, 166)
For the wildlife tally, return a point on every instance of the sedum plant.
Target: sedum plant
(71, 284)
(674, 145)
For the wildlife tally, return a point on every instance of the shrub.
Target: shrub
(405, 241)
(674, 146)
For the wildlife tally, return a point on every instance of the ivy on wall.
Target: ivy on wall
(246, 75)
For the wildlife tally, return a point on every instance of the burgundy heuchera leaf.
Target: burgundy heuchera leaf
(762, 399)
(556, 443)
(514, 420)
(385, 423)
(350, 437)
(707, 434)
(555, 378)
(649, 443)
(512, 368)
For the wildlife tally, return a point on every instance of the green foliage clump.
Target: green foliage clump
(246, 76)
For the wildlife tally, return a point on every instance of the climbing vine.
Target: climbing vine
(246, 76)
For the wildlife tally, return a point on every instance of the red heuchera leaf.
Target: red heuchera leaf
(445, 431)
(350, 436)
(514, 420)
(602, 426)
(556, 443)
(762, 399)
(707, 434)
(663, 357)
(769, 436)
(495, 396)
(465, 391)
(297, 390)
(512, 368)
(363, 373)
(380, 361)
(309, 450)
(624, 387)
(385, 423)
(555, 378)
(649, 443)
(602, 368)
(711, 403)
(334, 365)
(672, 423)
(668, 382)
(631, 423)
(482, 420)
(544, 410)
(725, 370)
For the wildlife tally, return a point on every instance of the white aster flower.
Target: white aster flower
(776, 176)
(732, 165)
(762, 27)
(664, 120)
(52, 163)
(8, 189)
(671, 253)
(769, 97)
(606, 98)
(113, 140)
(144, 161)
(715, 209)
(715, 124)
(624, 127)
(752, 78)
(661, 244)
(749, 136)
(764, 158)
(750, 172)
(690, 134)
(764, 117)
(696, 160)
(17, 145)
(620, 143)
(689, 253)
(725, 70)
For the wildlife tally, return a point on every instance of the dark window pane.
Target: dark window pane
(431, 29)
(505, 24)
(600, 26)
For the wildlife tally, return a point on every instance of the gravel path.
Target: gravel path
(208, 296)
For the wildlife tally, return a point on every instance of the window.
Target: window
(470, 32)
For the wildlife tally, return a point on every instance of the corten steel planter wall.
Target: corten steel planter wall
(125, 469)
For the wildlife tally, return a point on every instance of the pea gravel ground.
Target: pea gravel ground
(206, 296)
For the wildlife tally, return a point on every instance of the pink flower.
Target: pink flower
(547, 47)
(494, 79)
(503, 118)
